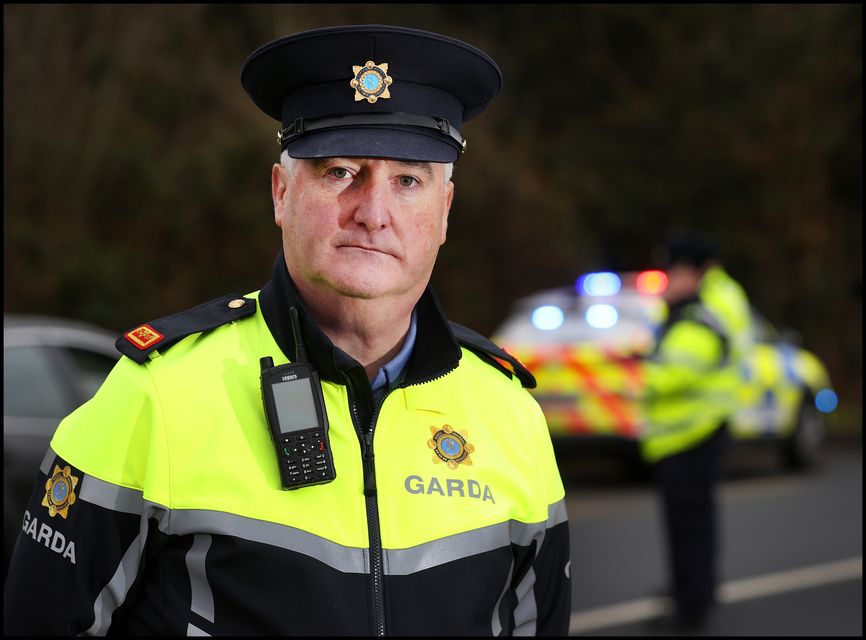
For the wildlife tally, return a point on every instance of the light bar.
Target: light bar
(601, 316)
(603, 283)
(548, 317)
(651, 282)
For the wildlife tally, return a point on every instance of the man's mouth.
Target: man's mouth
(364, 247)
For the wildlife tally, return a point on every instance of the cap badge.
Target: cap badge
(144, 336)
(371, 81)
(60, 491)
(450, 446)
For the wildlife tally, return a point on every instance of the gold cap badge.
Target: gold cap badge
(60, 491)
(449, 446)
(371, 81)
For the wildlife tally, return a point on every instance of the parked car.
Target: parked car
(585, 345)
(50, 367)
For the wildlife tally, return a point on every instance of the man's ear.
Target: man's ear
(279, 187)
(448, 200)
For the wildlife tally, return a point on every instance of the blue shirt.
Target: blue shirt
(391, 373)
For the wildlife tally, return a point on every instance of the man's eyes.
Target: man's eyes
(339, 172)
(343, 173)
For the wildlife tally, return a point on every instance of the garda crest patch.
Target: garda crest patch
(60, 491)
(450, 446)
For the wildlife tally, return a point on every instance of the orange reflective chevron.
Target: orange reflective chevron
(624, 419)
(584, 389)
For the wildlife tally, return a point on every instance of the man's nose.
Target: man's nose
(374, 204)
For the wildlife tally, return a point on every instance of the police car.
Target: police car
(585, 345)
(50, 367)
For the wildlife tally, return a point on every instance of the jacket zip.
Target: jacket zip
(365, 436)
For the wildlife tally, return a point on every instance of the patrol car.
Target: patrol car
(50, 367)
(585, 345)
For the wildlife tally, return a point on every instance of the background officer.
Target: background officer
(423, 495)
(690, 395)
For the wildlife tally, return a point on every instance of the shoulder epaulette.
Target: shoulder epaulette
(139, 342)
(492, 354)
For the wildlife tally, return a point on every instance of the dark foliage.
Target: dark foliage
(137, 171)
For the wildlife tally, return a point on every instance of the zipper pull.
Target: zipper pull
(369, 467)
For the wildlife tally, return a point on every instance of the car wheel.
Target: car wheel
(800, 449)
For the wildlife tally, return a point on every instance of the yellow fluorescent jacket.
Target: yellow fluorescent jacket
(181, 525)
(690, 382)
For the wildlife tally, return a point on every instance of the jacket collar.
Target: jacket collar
(436, 350)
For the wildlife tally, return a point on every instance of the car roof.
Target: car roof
(23, 329)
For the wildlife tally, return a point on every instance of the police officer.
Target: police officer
(188, 497)
(690, 395)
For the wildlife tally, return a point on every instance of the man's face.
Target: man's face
(683, 282)
(360, 227)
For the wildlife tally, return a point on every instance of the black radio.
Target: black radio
(295, 411)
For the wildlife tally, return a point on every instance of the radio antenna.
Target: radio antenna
(300, 352)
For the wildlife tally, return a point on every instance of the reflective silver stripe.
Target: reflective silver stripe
(111, 496)
(496, 623)
(401, 562)
(114, 593)
(45, 466)
(556, 514)
(201, 597)
(193, 630)
(526, 613)
(191, 521)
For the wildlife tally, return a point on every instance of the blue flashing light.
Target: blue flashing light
(548, 317)
(826, 400)
(603, 283)
(601, 316)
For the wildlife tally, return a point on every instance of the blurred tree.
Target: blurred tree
(136, 169)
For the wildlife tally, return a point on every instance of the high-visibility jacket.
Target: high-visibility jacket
(727, 300)
(690, 381)
(159, 507)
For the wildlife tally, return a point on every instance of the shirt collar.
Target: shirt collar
(391, 373)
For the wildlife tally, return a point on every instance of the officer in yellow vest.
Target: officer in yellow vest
(327, 455)
(691, 379)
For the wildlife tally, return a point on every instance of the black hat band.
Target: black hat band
(301, 126)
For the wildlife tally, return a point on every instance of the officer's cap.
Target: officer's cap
(371, 91)
(687, 248)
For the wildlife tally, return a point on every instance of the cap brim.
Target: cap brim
(373, 143)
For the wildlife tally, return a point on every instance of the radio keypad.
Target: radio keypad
(305, 456)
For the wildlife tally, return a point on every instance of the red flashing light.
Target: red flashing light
(651, 282)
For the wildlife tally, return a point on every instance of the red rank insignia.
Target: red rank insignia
(144, 336)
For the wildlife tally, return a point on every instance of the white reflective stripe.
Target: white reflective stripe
(45, 466)
(526, 613)
(111, 496)
(401, 562)
(114, 593)
(192, 521)
(201, 596)
(193, 630)
(496, 623)
(556, 514)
